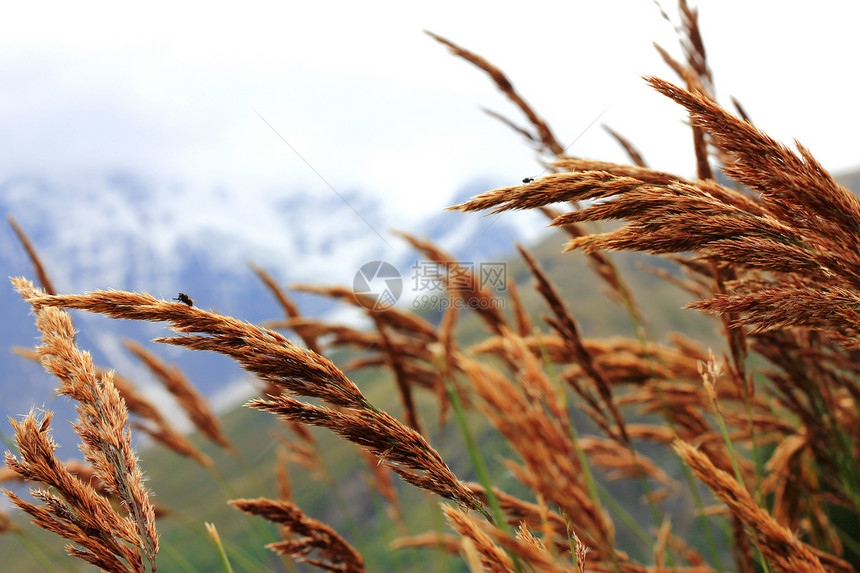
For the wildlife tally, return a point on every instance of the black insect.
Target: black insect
(185, 299)
(528, 180)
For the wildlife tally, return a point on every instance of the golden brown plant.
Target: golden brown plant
(530, 416)
(431, 540)
(152, 422)
(544, 137)
(461, 283)
(493, 558)
(289, 307)
(45, 281)
(788, 231)
(300, 372)
(567, 328)
(775, 255)
(313, 542)
(185, 393)
(778, 544)
(7, 525)
(402, 341)
(74, 509)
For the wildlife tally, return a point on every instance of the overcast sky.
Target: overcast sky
(173, 90)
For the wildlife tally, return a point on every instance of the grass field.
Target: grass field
(588, 425)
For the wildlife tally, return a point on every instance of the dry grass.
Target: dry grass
(185, 393)
(74, 509)
(333, 553)
(772, 435)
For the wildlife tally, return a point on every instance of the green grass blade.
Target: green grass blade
(222, 554)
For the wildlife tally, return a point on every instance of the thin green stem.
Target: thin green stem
(480, 469)
(222, 554)
(757, 462)
(247, 561)
(498, 516)
(690, 480)
(625, 517)
(243, 560)
(726, 438)
(571, 545)
(230, 492)
(590, 482)
(603, 495)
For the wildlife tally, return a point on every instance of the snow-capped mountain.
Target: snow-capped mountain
(127, 232)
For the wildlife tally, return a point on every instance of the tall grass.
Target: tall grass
(773, 435)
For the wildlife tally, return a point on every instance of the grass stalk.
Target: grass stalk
(248, 562)
(498, 516)
(775, 256)
(708, 379)
(571, 543)
(590, 482)
(219, 547)
(257, 528)
(642, 336)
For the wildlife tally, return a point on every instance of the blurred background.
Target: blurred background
(143, 138)
(162, 148)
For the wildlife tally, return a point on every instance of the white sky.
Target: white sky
(169, 89)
